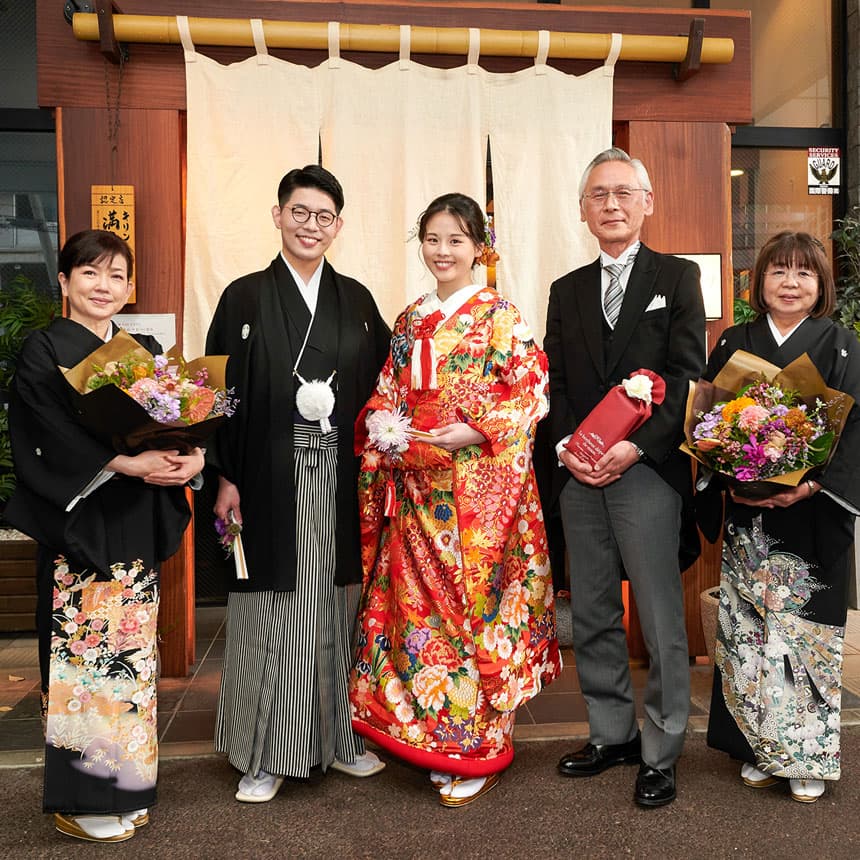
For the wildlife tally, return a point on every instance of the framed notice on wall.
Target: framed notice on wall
(113, 210)
(710, 265)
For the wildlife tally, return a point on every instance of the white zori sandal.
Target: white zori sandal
(138, 818)
(364, 765)
(93, 828)
(462, 791)
(755, 778)
(260, 788)
(806, 790)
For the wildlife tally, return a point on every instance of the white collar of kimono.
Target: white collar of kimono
(309, 291)
(778, 336)
(453, 303)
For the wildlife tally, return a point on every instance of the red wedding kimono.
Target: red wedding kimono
(457, 622)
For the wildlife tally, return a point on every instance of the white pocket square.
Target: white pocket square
(656, 303)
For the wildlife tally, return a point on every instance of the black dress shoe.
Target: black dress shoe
(595, 758)
(655, 787)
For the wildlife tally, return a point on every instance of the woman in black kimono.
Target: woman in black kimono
(786, 559)
(103, 523)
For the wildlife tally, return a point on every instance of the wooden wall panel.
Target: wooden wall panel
(689, 166)
(176, 622)
(148, 157)
(155, 75)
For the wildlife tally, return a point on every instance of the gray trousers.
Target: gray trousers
(630, 526)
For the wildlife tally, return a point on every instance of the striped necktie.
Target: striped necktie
(614, 295)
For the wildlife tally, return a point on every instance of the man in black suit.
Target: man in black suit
(624, 514)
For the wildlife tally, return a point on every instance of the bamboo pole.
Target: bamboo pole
(385, 38)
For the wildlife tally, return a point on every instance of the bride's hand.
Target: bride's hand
(452, 437)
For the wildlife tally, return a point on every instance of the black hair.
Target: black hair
(311, 176)
(93, 246)
(463, 208)
(794, 249)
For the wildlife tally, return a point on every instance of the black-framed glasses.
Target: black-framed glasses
(302, 213)
(622, 194)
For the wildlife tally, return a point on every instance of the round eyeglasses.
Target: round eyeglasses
(302, 213)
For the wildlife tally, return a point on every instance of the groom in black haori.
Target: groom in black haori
(305, 346)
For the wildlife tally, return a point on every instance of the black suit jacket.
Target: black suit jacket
(668, 338)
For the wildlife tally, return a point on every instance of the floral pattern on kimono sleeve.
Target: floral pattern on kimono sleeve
(520, 366)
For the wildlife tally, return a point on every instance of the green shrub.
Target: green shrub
(22, 310)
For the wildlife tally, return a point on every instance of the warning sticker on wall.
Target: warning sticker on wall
(822, 169)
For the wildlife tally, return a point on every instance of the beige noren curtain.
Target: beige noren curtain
(395, 137)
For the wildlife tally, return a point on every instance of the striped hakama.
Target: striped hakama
(283, 706)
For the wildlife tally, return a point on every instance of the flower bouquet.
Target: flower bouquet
(135, 401)
(625, 408)
(230, 537)
(764, 428)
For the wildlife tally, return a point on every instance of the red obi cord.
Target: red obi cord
(423, 375)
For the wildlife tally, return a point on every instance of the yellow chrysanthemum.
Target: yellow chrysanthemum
(464, 693)
(733, 407)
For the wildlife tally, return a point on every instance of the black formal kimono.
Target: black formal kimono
(98, 585)
(283, 704)
(783, 603)
(258, 326)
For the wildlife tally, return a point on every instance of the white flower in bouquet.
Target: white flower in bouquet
(388, 431)
(639, 387)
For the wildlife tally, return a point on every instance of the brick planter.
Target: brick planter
(17, 583)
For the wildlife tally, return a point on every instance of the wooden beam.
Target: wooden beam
(385, 38)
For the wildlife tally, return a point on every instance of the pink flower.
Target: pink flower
(129, 624)
(80, 618)
(752, 417)
(97, 623)
(92, 640)
(77, 647)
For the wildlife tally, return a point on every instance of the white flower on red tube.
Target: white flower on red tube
(639, 387)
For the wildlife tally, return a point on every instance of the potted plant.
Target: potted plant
(23, 309)
(846, 236)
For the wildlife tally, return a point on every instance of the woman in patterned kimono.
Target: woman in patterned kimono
(456, 627)
(786, 559)
(103, 523)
